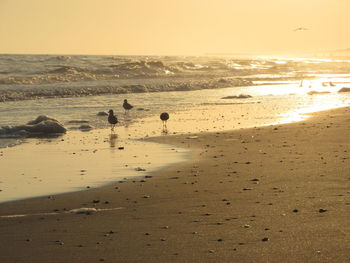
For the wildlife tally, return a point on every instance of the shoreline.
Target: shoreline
(267, 194)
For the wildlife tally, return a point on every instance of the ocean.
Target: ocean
(77, 87)
(201, 94)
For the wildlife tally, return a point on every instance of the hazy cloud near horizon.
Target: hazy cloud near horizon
(181, 27)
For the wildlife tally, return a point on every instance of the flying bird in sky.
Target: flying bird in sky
(300, 29)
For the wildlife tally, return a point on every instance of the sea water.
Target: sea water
(200, 93)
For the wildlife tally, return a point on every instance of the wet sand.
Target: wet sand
(77, 161)
(272, 194)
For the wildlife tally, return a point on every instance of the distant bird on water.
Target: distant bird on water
(127, 106)
(112, 119)
(164, 117)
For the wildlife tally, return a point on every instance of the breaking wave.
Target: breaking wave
(37, 76)
(78, 91)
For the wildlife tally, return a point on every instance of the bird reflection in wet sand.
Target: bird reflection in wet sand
(112, 119)
(127, 122)
(164, 117)
(113, 139)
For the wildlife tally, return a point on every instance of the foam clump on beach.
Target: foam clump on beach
(42, 125)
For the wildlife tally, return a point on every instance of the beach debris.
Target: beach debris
(265, 239)
(240, 96)
(313, 92)
(322, 210)
(121, 148)
(344, 89)
(59, 242)
(146, 196)
(95, 201)
(39, 119)
(85, 127)
(77, 121)
(139, 169)
(84, 210)
(192, 137)
(295, 211)
(42, 125)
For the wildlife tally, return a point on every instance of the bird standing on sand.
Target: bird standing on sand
(127, 106)
(164, 117)
(112, 119)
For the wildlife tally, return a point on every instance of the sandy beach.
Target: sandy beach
(251, 164)
(270, 194)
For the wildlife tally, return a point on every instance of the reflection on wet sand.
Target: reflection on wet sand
(113, 139)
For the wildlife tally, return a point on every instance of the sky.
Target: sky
(173, 27)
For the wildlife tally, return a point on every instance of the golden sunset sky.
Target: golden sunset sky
(172, 27)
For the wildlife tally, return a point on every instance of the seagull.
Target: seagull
(112, 119)
(127, 106)
(300, 29)
(164, 117)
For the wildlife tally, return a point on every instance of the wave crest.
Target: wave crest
(52, 92)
